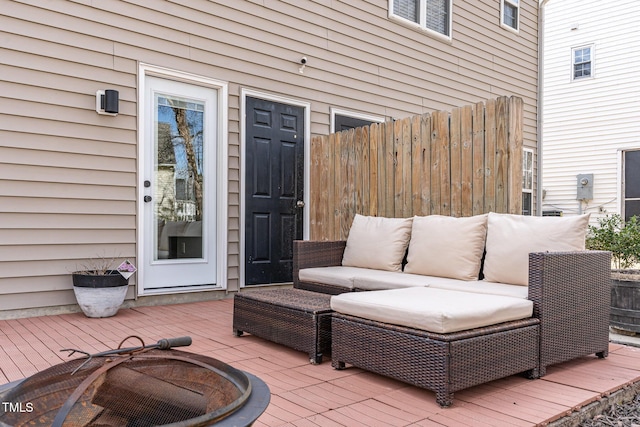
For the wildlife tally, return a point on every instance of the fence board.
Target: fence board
(490, 156)
(318, 198)
(407, 190)
(329, 176)
(425, 168)
(502, 169)
(398, 165)
(466, 160)
(359, 144)
(389, 160)
(462, 163)
(416, 165)
(455, 154)
(444, 143)
(478, 143)
(374, 170)
(515, 155)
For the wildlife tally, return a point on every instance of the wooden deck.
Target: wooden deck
(307, 395)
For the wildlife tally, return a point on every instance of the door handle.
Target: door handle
(147, 199)
(300, 204)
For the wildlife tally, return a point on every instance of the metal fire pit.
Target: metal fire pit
(136, 387)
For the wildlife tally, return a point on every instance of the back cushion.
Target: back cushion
(376, 242)
(510, 239)
(445, 246)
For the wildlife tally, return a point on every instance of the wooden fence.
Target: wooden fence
(459, 163)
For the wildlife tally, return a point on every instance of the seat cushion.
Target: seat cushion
(360, 278)
(375, 280)
(377, 242)
(445, 246)
(336, 275)
(479, 287)
(511, 238)
(433, 310)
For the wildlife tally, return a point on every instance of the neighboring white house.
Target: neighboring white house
(591, 109)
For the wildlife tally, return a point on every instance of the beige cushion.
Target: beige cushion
(434, 310)
(377, 242)
(479, 287)
(446, 246)
(335, 275)
(374, 280)
(510, 239)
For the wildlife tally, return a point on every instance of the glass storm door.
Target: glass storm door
(179, 234)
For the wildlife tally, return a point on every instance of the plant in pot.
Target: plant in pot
(99, 288)
(622, 239)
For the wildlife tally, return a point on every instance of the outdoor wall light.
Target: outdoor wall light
(107, 102)
(303, 63)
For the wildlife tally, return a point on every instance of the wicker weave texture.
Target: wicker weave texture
(296, 318)
(571, 296)
(571, 292)
(308, 254)
(420, 358)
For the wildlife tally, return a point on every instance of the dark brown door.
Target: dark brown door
(274, 188)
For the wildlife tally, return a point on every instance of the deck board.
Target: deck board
(317, 395)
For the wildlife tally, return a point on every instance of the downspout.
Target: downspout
(541, 11)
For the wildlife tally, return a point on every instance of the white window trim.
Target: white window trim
(593, 62)
(422, 25)
(620, 180)
(222, 166)
(502, 23)
(529, 190)
(363, 116)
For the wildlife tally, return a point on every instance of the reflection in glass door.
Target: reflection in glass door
(177, 202)
(179, 181)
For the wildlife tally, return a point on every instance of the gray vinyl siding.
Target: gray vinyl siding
(68, 176)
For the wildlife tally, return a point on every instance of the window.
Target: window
(343, 119)
(631, 184)
(433, 15)
(582, 62)
(527, 182)
(511, 14)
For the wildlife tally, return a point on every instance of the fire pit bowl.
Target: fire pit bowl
(150, 388)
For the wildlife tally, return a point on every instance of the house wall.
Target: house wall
(68, 176)
(587, 122)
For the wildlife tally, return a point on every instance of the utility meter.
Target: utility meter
(585, 186)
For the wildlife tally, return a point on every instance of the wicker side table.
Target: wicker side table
(296, 318)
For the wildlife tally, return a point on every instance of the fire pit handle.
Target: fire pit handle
(167, 343)
(163, 344)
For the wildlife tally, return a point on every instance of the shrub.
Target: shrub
(620, 237)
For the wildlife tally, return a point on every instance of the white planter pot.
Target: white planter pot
(100, 302)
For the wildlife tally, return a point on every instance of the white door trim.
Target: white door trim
(244, 93)
(222, 170)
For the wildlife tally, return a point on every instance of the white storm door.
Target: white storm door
(179, 185)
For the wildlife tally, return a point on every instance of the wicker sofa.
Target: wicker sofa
(567, 287)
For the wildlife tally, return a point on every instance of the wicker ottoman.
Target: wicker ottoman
(443, 363)
(293, 317)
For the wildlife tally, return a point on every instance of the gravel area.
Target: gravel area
(625, 414)
(620, 409)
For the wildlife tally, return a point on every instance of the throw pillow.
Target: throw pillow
(377, 242)
(446, 246)
(510, 239)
